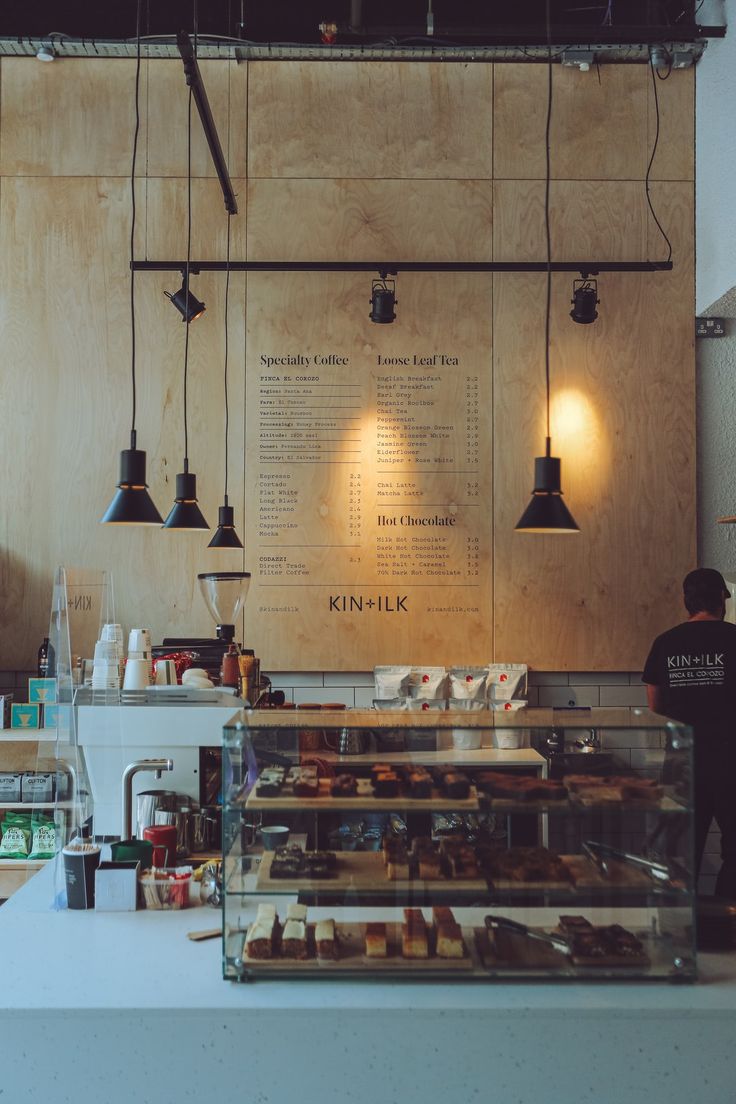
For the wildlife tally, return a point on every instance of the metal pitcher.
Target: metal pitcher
(352, 742)
(148, 803)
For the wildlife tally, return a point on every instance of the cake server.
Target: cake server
(504, 924)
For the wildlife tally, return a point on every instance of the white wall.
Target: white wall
(715, 161)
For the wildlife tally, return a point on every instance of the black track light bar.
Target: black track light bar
(194, 80)
(391, 268)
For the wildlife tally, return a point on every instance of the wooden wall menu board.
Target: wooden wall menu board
(352, 161)
(370, 474)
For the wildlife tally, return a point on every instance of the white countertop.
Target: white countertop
(155, 1021)
(97, 960)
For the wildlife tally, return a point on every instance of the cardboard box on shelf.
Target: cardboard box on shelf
(25, 715)
(42, 691)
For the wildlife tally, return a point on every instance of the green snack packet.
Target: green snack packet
(44, 837)
(16, 840)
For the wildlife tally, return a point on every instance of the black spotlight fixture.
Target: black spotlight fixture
(131, 503)
(186, 302)
(584, 301)
(383, 300)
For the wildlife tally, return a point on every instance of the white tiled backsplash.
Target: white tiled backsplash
(546, 689)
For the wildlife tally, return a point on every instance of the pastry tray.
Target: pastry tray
(437, 802)
(351, 955)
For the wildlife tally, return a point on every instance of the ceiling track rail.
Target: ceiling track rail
(392, 268)
(195, 82)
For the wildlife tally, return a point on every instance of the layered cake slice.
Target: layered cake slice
(376, 944)
(294, 939)
(325, 939)
(414, 942)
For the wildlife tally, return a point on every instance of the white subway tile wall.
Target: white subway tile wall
(546, 689)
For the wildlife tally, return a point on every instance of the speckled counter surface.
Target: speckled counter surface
(110, 1007)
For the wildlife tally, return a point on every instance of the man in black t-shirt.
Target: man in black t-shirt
(691, 676)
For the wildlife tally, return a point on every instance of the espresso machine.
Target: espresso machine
(224, 593)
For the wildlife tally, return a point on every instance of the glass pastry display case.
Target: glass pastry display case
(366, 843)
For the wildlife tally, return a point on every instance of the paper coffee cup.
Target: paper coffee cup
(137, 674)
(80, 864)
(165, 672)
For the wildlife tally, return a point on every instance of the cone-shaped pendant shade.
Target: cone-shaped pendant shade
(185, 513)
(547, 513)
(132, 504)
(225, 535)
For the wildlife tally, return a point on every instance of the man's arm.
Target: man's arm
(655, 697)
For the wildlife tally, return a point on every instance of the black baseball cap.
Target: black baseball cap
(704, 588)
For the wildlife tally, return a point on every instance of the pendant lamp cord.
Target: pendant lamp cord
(186, 277)
(227, 296)
(651, 159)
(189, 251)
(133, 212)
(546, 217)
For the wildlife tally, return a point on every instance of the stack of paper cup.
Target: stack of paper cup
(139, 644)
(106, 669)
(112, 632)
(138, 668)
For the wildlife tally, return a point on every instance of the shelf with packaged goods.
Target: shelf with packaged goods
(29, 806)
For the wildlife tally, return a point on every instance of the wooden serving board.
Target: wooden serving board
(502, 948)
(351, 955)
(360, 870)
(286, 802)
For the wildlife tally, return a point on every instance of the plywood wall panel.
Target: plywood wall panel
(589, 219)
(73, 118)
(418, 220)
(66, 377)
(168, 99)
(675, 156)
(343, 161)
(166, 221)
(386, 119)
(604, 593)
(599, 122)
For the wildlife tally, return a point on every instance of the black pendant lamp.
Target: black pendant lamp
(225, 535)
(185, 514)
(131, 503)
(547, 513)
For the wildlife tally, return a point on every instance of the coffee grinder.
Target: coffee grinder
(224, 593)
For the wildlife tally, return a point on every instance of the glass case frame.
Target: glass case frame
(587, 875)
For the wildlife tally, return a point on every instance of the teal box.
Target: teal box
(50, 716)
(24, 715)
(42, 691)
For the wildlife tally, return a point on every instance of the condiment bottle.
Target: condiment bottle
(43, 658)
(230, 671)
